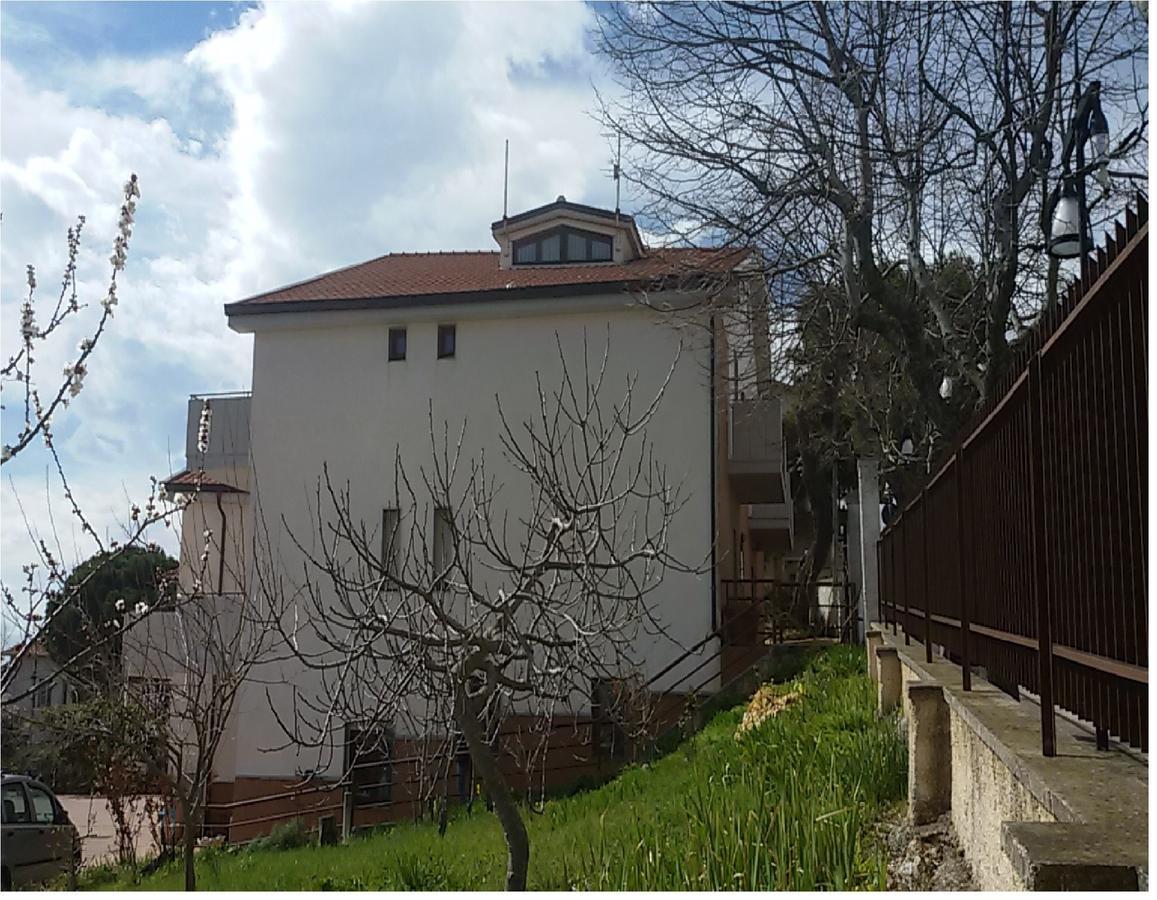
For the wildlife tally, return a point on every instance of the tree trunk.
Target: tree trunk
(189, 844)
(126, 845)
(486, 765)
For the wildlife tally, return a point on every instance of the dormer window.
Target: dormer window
(566, 234)
(563, 246)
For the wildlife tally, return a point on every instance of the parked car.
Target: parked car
(39, 840)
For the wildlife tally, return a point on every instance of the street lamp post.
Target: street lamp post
(1069, 227)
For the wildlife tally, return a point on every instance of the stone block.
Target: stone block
(873, 639)
(889, 679)
(929, 753)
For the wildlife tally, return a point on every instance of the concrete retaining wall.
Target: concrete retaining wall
(985, 795)
(1025, 822)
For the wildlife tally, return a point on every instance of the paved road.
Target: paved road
(92, 818)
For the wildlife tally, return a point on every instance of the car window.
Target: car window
(43, 809)
(15, 806)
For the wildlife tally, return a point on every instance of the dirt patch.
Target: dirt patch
(924, 857)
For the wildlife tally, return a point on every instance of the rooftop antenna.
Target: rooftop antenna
(618, 157)
(505, 180)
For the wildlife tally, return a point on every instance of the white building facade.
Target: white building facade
(351, 368)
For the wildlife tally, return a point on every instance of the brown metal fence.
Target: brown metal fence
(1025, 554)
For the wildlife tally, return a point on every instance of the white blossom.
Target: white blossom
(203, 426)
(120, 604)
(27, 321)
(74, 378)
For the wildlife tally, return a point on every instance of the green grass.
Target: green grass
(787, 806)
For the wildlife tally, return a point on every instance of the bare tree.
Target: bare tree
(42, 400)
(46, 588)
(187, 663)
(847, 140)
(525, 592)
(892, 164)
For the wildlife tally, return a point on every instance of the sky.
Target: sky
(271, 143)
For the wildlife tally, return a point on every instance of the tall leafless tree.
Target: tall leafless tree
(866, 149)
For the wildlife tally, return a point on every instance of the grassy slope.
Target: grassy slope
(787, 806)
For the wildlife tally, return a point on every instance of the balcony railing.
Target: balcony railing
(228, 444)
(772, 527)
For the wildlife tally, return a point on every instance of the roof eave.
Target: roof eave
(529, 292)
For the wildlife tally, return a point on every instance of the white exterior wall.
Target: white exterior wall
(324, 393)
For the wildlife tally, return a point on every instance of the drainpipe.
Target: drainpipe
(221, 553)
(714, 463)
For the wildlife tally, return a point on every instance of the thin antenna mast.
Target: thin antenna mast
(505, 180)
(618, 159)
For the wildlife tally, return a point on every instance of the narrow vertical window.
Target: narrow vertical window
(369, 762)
(443, 539)
(447, 341)
(397, 344)
(391, 518)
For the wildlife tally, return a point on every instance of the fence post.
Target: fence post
(904, 573)
(1040, 562)
(347, 813)
(927, 601)
(892, 581)
(961, 569)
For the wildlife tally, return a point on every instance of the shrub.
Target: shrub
(286, 836)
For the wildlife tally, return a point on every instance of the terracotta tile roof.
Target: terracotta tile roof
(187, 480)
(35, 648)
(399, 279)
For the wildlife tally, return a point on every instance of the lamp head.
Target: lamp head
(1065, 233)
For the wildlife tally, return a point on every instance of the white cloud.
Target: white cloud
(307, 137)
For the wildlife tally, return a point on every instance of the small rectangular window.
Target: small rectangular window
(397, 344)
(447, 341)
(391, 518)
(526, 252)
(600, 249)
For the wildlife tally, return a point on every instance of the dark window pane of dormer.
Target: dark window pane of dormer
(550, 250)
(600, 249)
(576, 247)
(526, 252)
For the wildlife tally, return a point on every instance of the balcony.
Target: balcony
(228, 445)
(772, 527)
(756, 460)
